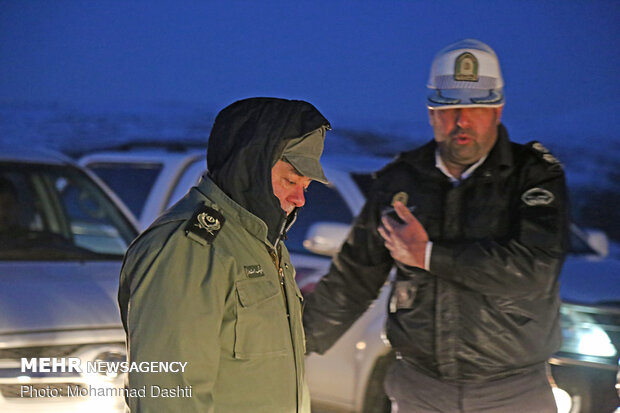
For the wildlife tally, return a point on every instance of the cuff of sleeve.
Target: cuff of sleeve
(427, 255)
(442, 262)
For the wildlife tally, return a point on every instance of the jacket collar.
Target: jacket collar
(501, 153)
(232, 210)
(500, 156)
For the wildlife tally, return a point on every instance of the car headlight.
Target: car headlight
(563, 400)
(100, 363)
(113, 357)
(582, 334)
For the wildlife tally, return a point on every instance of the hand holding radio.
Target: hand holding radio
(406, 240)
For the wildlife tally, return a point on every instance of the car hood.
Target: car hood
(591, 281)
(47, 296)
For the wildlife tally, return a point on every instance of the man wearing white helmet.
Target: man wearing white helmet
(476, 226)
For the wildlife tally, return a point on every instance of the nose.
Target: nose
(297, 197)
(463, 118)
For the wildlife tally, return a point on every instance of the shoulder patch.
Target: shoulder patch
(543, 153)
(205, 224)
(537, 196)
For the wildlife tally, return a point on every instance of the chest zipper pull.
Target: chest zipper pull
(281, 272)
(276, 261)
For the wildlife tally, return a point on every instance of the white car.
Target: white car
(349, 376)
(62, 239)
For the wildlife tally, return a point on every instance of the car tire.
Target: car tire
(375, 399)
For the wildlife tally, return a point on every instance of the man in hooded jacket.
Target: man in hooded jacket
(210, 282)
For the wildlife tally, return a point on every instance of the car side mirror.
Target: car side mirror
(325, 238)
(596, 240)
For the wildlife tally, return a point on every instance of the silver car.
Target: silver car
(62, 238)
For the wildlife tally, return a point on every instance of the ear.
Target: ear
(498, 115)
(430, 117)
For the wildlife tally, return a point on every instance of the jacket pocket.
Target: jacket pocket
(261, 329)
(520, 312)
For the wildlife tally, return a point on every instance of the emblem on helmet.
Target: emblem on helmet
(466, 68)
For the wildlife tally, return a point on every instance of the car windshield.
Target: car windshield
(56, 212)
(142, 177)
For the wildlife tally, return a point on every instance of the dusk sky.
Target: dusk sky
(360, 62)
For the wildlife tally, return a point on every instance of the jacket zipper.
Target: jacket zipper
(275, 257)
(276, 262)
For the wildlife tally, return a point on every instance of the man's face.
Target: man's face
(465, 135)
(288, 186)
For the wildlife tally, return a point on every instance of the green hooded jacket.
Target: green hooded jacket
(210, 282)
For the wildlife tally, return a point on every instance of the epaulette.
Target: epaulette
(543, 153)
(204, 225)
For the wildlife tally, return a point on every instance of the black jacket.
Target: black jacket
(489, 307)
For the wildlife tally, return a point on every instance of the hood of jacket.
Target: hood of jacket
(247, 139)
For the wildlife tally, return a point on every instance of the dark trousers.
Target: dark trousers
(414, 392)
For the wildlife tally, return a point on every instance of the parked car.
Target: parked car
(62, 238)
(349, 376)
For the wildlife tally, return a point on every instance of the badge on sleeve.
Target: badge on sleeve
(537, 196)
(205, 224)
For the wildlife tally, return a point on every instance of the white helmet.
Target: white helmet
(465, 74)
